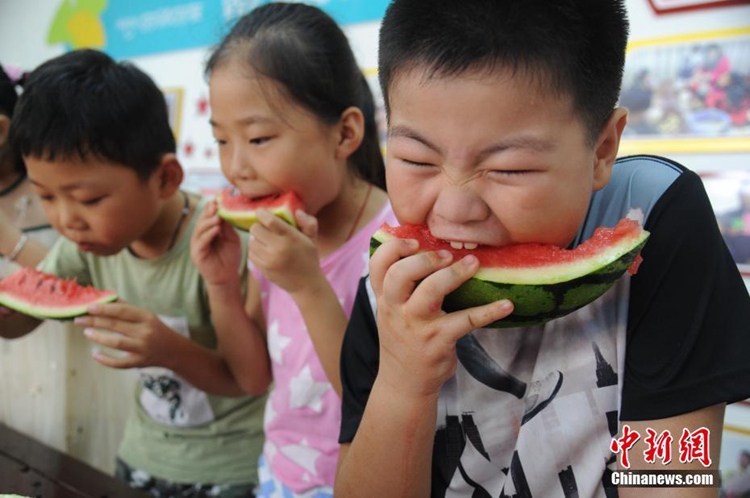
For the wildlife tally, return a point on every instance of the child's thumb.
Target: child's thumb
(307, 223)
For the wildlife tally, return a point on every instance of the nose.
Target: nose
(239, 166)
(68, 217)
(459, 204)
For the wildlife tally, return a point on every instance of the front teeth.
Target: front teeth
(463, 245)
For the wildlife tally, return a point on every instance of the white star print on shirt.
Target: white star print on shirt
(277, 343)
(305, 391)
(302, 454)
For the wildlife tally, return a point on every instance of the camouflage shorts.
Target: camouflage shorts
(139, 479)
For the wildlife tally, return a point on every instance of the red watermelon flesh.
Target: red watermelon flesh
(516, 263)
(42, 295)
(241, 211)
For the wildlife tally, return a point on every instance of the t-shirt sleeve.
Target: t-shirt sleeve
(66, 261)
(689, 316)
(360, 356)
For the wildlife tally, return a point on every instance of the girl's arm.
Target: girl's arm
(326, 323)
(238, 325)
(217, 252)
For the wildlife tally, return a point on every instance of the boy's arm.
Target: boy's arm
(711, 418)
(416, 341)
(26, 252)
(372, 465)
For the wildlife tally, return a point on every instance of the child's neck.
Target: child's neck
(345, 216)
(167, 230)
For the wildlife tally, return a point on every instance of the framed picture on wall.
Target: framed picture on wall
(735, 451)
(688, 93)
(729, 192)
(173, 96)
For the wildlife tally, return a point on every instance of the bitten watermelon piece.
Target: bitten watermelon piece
(241, 211)
(46, 296)
(543, 281)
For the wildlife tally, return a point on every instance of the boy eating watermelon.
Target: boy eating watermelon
(95, 137)
(503, 129)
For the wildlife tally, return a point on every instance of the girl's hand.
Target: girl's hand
(215, 247)
(286, 255)
(417, 338)
(137, 332)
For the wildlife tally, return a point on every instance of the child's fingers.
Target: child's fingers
(272, 223)
(385, 256)
(400, 281)
(126, 361)
(202, 241)
(113, 316)
(460, 323)
(307, 223)
(209, 210)
(429, 294)
(110, 340)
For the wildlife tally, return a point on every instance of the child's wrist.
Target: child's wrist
(313, 290)
(224, 288)
(12, 243)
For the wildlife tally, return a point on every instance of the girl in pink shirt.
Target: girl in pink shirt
(291, 110)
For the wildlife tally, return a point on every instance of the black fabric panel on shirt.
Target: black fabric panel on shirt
(688, 343)
(359, 366)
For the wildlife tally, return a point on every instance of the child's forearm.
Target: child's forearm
(202, 368)
(241, 343)
(25, 252)
(372, 466)
(326, 323)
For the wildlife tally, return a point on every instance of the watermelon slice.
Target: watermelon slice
(44, 296)
(543, 281)
(240, 210)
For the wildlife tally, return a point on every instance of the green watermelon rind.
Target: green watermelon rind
(244, 220)
(539, 302)
(57, 312)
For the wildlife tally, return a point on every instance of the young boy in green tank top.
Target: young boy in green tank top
(99, 150)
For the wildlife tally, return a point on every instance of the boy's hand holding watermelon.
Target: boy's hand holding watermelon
(140, 334)
(415, 332)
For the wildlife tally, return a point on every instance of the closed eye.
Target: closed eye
(416, 163)
(259, 140)
(92, 202)
(510, 172)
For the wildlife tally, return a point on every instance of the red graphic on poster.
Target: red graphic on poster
(202, 105)
(671, 6)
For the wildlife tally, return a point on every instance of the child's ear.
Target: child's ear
(351, 131)
(170, 175)
(607, 146)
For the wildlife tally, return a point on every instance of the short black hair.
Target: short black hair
(85, 104)
(303, 49)
(570, 47)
